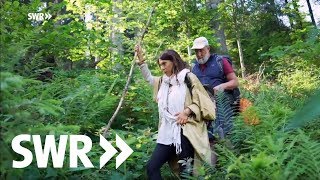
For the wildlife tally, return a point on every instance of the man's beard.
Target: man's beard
(204, 59)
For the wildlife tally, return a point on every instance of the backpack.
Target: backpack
(235, 93)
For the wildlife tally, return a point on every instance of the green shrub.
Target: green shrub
(299, 82)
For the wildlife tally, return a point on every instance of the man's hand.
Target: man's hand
(138, 51)
(218, 88)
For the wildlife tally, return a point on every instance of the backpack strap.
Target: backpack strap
(219, 61)
(188, 83)
(192, 66)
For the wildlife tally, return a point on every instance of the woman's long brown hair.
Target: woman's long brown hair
(178, 63)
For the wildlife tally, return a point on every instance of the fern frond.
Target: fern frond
(306, 161)
(224, 121)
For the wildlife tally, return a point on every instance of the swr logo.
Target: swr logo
(57, 155)
(39, 16)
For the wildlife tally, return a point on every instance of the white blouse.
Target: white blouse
(171, 98)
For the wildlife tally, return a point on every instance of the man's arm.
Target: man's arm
(232, 80)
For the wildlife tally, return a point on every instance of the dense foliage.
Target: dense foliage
(65, 75)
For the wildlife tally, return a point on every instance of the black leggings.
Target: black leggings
(164, 153)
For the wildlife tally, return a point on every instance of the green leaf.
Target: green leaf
(31, 173)
(51, 172)
(16, 3)
(308, 113)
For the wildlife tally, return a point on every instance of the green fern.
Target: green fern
(304, 158)
(224, 121)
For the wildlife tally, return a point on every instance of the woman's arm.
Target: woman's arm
(143, 66)
(146, 73)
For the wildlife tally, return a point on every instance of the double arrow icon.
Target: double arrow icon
(126, 151)
(47, 16)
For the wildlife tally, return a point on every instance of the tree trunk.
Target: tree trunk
(218, 29)
(187, 29)
(238, 30)
(221, 38)
(243, 69)
(311, 13)
(97, 59)
(117, 47)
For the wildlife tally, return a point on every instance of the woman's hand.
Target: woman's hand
(138, 51)
(183, 116)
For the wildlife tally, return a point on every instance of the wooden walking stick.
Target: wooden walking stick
(125, 90)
